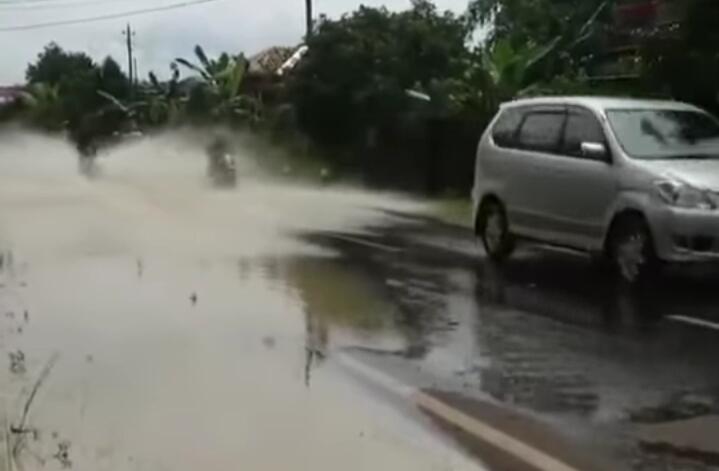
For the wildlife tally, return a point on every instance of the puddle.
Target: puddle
(240, 376)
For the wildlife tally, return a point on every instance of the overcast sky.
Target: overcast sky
(227, 25)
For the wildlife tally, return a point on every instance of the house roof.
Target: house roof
(270, 60)
(276, 60)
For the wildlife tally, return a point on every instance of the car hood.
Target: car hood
(701, 173)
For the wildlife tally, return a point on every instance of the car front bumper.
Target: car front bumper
(685, 235)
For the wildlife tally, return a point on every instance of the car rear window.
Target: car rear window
(505, 129)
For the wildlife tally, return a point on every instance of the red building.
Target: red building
(9, 95)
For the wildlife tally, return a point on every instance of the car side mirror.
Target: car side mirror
(595, 151)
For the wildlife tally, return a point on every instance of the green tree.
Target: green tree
(54, 65)
(75, 80)
(358, 68)
(112, 79)
(74, 75)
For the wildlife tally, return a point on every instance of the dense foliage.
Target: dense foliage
(63, 92)
(359, 68)
(684, 63)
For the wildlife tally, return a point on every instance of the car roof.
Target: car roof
(601, 104)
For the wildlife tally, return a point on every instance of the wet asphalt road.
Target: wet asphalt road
(151, 322)
(547, 333)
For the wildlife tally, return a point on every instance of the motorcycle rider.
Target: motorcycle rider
(220, 164)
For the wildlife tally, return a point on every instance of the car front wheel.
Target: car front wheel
(632, 250)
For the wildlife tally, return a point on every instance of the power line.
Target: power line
(24, 2)
(21, 2)
(28, 3)
(112, 16)
(54, 5)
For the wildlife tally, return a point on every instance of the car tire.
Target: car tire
(631, 250)
(493, 230)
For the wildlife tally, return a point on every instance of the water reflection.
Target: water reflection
(316, 340)
(558, 337)
(590, 299)
(337, 295)
(520, 368)
(334, 301)
(345, 306)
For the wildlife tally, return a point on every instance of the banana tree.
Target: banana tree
(207, 68)
(163, 102)
(507, 70)
(219, 95)
(159, 102)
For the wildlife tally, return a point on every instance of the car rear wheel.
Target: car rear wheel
(493, 229)
(632, 250)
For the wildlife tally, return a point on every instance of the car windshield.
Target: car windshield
(666, 133)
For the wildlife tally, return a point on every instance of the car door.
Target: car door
(583, 188)
(530, 193)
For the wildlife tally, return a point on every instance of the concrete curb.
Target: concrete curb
(493, 429)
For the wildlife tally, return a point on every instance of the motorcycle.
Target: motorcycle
(221, 169)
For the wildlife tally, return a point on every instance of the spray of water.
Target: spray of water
(152, 196)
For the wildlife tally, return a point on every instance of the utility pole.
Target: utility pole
(129, 34)
(308, 17)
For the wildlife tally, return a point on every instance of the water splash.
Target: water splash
(152, 196)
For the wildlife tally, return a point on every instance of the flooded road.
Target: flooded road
(151, 322)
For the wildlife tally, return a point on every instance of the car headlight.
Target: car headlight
(682, 195)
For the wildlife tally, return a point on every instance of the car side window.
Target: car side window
(541, 131)
(505, 129)
(582, 126)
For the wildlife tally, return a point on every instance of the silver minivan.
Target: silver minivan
(632, 181)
